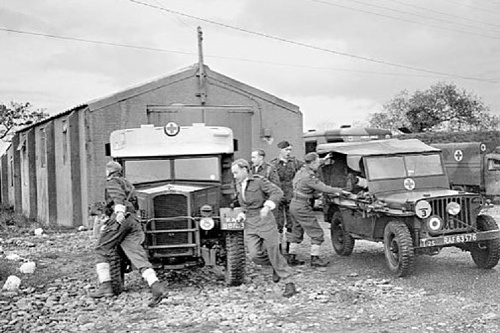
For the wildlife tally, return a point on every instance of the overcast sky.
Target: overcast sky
(338, 60)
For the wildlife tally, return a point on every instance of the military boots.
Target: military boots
(293, 261)
(104, 290)
(316, 261)
(158, 292)
(276, 277)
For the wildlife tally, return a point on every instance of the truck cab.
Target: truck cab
(184, 186)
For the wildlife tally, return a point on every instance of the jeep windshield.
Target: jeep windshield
(189, 168)
(388, 167)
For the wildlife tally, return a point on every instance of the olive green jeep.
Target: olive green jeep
(400, 195)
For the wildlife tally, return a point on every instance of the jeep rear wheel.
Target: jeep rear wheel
(235, 258)
(342, 241)
(398, 248)
(486, 253)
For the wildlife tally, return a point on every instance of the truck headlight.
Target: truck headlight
(434, 223)
(206, 210)
(453, 208)
(207, 223)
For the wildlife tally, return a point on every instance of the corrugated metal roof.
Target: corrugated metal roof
(376, 147)
(60, 114)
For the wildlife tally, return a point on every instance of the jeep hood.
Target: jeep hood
(400, 197)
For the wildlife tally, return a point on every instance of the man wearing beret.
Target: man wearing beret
(124, 230)
(286, 165)
(307, 186)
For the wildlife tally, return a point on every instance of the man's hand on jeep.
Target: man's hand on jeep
(349, 195)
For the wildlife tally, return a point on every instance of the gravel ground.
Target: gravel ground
(354, 294)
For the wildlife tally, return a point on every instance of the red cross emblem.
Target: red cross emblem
(172, 129)
(409, 184)
(458, 155)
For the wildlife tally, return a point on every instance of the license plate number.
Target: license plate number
(232, 225)
(459, 238)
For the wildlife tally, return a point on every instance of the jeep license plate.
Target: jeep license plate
(457, 239)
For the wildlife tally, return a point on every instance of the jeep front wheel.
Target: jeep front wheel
(235, 258)
(398, 248)
(486, 253)
(342, 241)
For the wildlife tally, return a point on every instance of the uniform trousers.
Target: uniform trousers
(283, 217)
(263, 248)
(130, 236)
(304, 220)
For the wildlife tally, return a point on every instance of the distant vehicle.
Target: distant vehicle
(470, 168)
(343, 134)
(403, 200)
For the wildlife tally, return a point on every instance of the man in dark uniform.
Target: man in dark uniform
(286, 167)
(258, 197)
(306, 186)
(262, 168)
(123, 229)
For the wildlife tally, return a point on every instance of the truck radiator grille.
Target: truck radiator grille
(163, 234)
(458, 223)
(170, 205)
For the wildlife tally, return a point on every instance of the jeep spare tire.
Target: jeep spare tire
(342, 241)
(486, 253)
(235, 258)
(398, 248)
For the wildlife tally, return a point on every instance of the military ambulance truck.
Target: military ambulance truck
(184, 187)
(470, 168)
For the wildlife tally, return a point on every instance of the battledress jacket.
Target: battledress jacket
(306, 184)
(286, 171)
(257, 192)
(119, 191)
(266, 170)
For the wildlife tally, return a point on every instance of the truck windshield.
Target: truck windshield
(388, 167)
(199, 168)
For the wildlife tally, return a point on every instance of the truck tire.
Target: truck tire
(486, 253)
(235, 258)
(117, 267)
(342, 241)
(398, 248)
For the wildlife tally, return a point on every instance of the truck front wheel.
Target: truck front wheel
(118, 267)
(398, 248)
(235, 256)
(486, 253)
(342, 241)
